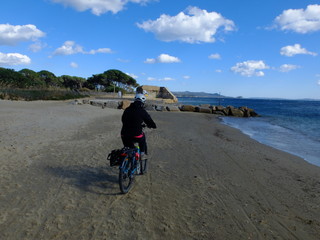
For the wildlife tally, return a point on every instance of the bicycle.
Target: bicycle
(131, 165)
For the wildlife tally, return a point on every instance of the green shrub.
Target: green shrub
(84, 89)
(39, 94)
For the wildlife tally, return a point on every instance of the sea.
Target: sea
(292, 126)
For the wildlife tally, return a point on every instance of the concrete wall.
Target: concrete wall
(159, 92)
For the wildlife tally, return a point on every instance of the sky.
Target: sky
(246, 48)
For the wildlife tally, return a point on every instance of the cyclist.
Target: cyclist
(132, 119)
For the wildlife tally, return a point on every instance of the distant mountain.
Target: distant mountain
(198, 94)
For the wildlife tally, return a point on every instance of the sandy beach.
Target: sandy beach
(205, 180)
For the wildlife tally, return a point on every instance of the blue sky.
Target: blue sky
(244, 48)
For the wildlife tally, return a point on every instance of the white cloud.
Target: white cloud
(132, 75)
(74, 65)
(295, 49)
(123, 60)
(250, 68)
(70, 47)
(101, 50)
(192, 26)
(160, 79)
(300, 20)
(150, 60)
(186, 77)
(163, 58)
(12, 35)
(37, 46)
(215, 56)
(99, 7)
(9, 59)
(218, 70)
(319, 82)
(288, 67)
(167, 79)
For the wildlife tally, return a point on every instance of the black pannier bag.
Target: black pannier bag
(115, 157)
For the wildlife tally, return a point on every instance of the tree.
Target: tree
(110, 81)
(29, 73)
(97, 81)
(119, 78)
(50, 79)
(72, 82)
(32, 78)
(11, 78)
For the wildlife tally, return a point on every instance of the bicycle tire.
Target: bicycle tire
(125, 175)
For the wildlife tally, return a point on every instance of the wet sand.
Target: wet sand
(205, 180)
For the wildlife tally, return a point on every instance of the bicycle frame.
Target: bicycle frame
(131, 154)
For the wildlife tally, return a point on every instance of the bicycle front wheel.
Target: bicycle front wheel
(125, 175)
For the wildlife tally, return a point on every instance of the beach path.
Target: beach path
(205, 180)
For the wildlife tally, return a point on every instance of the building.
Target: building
(159, 92)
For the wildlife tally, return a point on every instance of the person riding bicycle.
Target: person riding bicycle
(132, 119)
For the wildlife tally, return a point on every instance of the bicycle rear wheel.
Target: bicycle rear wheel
(125, 175)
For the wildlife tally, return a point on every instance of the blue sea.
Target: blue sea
(289, 125)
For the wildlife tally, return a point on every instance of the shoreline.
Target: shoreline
(206, 180)
(310, 160)
(277, 129)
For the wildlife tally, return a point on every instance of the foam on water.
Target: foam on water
(288, 125)
(278, 137)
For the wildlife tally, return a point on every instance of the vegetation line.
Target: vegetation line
(29, 85)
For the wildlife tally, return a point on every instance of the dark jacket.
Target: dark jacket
(132, 119)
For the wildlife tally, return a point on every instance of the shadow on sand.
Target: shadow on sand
(98, 180)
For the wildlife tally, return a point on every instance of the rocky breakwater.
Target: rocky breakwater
(221, 110)
(162, 107)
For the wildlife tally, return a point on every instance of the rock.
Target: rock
(219, 108)
(105, 103)
(173, 108)
(77, 102)
(203, 109)
(160, 108)
(188, 108)
(150, 107)
(205, 106)
(245, 110)
(248, 112)
(221, 113)
(253, 113)
(96, 103)
(124, 104)
(225, 111)
(235, 112)
(111, 104)
(85, 101)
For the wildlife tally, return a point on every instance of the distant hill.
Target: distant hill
(198, 94)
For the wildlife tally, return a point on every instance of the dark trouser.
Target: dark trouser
(129, 142)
